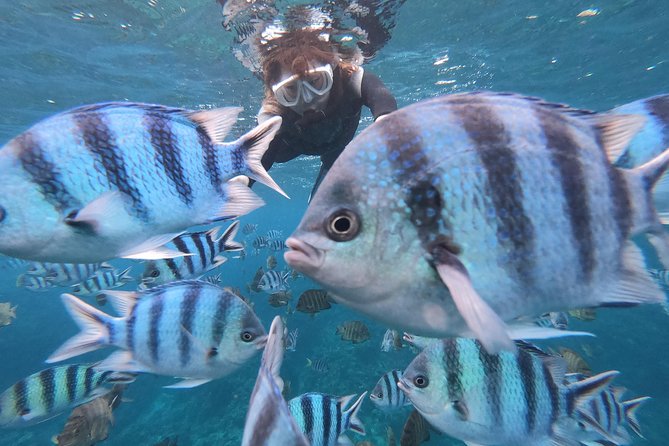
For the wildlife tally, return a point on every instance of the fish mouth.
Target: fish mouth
(261, 342)
(303, 257)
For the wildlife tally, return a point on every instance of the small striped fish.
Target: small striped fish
(291, 340)
(661, 276)
(320, 365)
(45, 394)
(386, 395)
(313, 300)
(190, 329)
(121, 179)
(276, 245)
(604, 417)
(554, 319)
(201, 252)
(505, 399)
(34, 283)
(103, 279)
(273, 281)
(268, 420)
(488, 194)
(354, 331)
(66, 274)
(274, 234)
(325, 418)
(249, 228)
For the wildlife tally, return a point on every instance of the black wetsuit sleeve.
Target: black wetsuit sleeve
(376, 95)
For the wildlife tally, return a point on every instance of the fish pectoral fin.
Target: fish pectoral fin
(121, 361)
(93, 216)
(343, 440)
(461, 409)
(188, 383)
(153, 249)
(237, 200)
(200, 347)
(482, 320)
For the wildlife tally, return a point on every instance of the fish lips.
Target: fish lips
(303, 257)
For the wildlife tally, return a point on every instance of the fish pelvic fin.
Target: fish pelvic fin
(94, 330)
(351, 413)
(253, 145)
(630, 407)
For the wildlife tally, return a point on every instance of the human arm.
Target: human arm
(376, 95)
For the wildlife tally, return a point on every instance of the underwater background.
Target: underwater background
(57, 55)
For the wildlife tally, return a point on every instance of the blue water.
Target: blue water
(57, 55)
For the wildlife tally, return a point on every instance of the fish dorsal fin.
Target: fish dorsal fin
(617, 131)
(122, 301)
(585, 389)
(217, 122)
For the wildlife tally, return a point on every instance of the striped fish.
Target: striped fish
(103, 279)
(67, 274)
(268, 420)
(276, 245)
(324, 418)
(354, 331)
(415, 431)
(34, 283)
(201, 252)
(320, 365)
(386, 395)
(313, 300)
(504, 399)
(273, 281)
(274, 234)
(122, 179)
(249, 228)
(49, 392)
(485, 195)
(190, 329)
(291, 340)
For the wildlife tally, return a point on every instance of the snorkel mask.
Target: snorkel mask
(294, 90)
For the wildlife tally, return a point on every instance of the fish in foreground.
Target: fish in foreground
(201, 252)
(190, 329)
(268, 420)
(89, 423)
(324, 418)
(443, 194)
(503, 399)
(122, 179)
(354, 331)
(47, 393)
(415, 430)
(7, 313)
(386, 395)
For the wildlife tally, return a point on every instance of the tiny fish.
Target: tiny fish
(249, 228)
(584, 314)
(415, 431)
(274, 234)
(453, 182)
(312, 301)
(392, 340)
(319, 365)
(34, 283)
(280, 298)
(45, 394)
(200, 252)
(268, 420)
(67, 274)
(271, 262)
(324, 418)
(190, 329)
(661, 276)
(273, 281)
(260, 242)
(7, 262)
(276, 245)
(121, 179)
(386, 395)
(214, 279)
(291, 340)
(555, 319)
(103, 279)
(7, 313)
(575, 362)
(254, 286)
(354, 331)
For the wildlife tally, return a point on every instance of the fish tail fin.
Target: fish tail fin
(253, 145)
(351, 413)
(630, 407)
(124, 276)
(582, 391)
(94, 329)
(226, 242)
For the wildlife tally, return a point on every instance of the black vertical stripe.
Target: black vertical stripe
(71, 382)
(388, 390)
(565, 157)
(130, 330)
(453, 368)
(604, 396)
(187, 314)
(528, 381)
(553, 393)
(212, 249)
(326, 407)
(220, 318)
(166, 148)
(210, 159)
(620, 198)
(200, 249)
(88, 381)
(174, 268)
(338, 418)
(493, 371)
(307, 414)
(594, 408)
(44, 173)
(156, 313)
(47, 380)
(181, 246)
(515, 231)
(659, 107)
(98, 138)
(21, 398)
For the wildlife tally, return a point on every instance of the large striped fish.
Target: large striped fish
(504, 399)
(456, 214)
(121, 179)
(49, 392)
(190, 329)
(202, 252)
(268, 421)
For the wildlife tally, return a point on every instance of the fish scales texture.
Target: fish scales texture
(515, 189)
(158, 160)
(48, 392)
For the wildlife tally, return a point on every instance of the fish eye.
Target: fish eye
(247, 336)
(155, 273)
(3, 213)
(343, 225)
(421, 381)
(379, 395)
